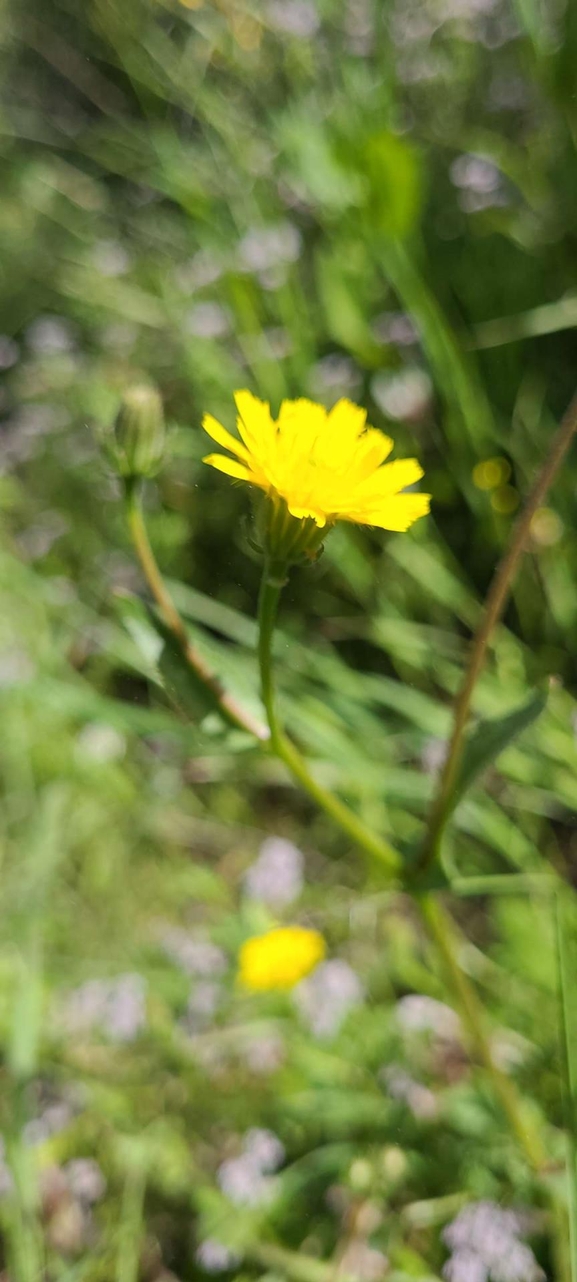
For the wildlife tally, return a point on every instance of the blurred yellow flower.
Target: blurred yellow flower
(326, 465)
(505, 500)
(491, 473)
(280, 958)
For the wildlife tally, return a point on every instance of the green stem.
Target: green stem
(131, 1226)
(274, 577)
(226, 704)
(494, 606)
(565, 973)
(443, 932)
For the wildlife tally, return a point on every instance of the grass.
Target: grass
(373, 200)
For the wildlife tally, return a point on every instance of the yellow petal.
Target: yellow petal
(390, 479)
(374, 447)
(228, 465)
(222, 437)
(398, 512)
(348, 418)
(302, 513)
(255, 423)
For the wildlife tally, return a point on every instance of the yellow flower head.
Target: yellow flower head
(326, 465)
(280, 958)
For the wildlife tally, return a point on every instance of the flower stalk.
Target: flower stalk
(494, 606)
(229, 707)
(273, 579)
(442, 930)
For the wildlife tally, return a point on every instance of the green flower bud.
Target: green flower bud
(139, 435)
(283, 537)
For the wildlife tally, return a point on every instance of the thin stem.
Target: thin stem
(495, 603)
(272, 582)
(569, 1084)
(443, 932)
(227, 705)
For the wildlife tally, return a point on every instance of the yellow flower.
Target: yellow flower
(280, 958)
(326, 465)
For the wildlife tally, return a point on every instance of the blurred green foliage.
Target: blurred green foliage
(372, 198)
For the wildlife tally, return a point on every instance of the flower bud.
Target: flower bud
(291, 539)
(139, 433)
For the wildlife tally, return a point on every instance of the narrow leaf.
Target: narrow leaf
(490, 739)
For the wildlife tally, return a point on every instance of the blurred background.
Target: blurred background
(362, 198)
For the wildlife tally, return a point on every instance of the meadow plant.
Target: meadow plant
(309, 469)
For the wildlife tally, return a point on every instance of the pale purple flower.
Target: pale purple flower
(54, 1118)
(110, 258)
(100, 743)
(246, 1179)
(117, 1007)
(6, 1180)
(50, 336)
(401, 1086)
(9, 352)
(264, 1149)
(126, 1013)
(363, 1262)
(278, 342)
(208, 320)
(243, 1183)
(334, 375)
(197, 957)
(405, 396)
(214, 1257)
(417, 1013)
(485, 1243)
(203, 1003)
(433, 755)
(119, 336)
(359, 27)
(475, 173)
(465, 1266)
(263, 248)
(85, 1180)
(203, 269)
(294, 17)
(325, 998)
(396, 328)
(276, 876)
(16, 668)
(265, 1054)
(36, 541)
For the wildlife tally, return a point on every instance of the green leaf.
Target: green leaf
(490, 739)
(184, 689)
(393, 174)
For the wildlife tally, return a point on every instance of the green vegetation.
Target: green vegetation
(363, 198)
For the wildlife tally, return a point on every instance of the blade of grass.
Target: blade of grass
(568, 1067)
(131, 1224)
